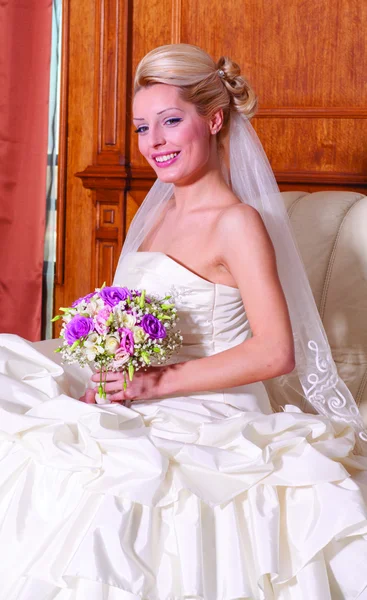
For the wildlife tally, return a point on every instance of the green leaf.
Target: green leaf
(56, 318)
(145, 357)
(155, 349)
(101, 391)
(142, 299)
(131, 372)
(75, 345)
(167, 306)
(58, 350)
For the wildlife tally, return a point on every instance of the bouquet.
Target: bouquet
(119, 329)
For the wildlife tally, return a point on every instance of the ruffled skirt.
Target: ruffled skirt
(185, 498)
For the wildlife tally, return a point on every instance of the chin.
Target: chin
(168, 177)
(179, 178)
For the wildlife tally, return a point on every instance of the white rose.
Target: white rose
(111, 344)
(139, 335)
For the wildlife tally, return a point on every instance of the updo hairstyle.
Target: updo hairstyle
(208, 85)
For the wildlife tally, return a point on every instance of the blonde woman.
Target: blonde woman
(188, 484)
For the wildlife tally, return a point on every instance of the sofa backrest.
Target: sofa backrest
(330, 228)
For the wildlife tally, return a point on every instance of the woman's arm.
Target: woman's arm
(247, 252)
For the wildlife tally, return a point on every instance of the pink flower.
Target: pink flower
(100, 321)
(121, 358)
(127, 340)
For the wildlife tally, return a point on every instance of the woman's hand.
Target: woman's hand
(89, 397)
(144, 386)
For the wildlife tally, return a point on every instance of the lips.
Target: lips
(165, 159)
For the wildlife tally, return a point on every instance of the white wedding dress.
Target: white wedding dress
(210, 496)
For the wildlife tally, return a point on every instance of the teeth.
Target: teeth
(165, 157)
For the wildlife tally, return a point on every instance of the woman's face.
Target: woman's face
(173, 138)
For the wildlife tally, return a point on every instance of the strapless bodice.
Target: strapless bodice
(212, 315)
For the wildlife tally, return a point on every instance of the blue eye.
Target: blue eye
(173, 121)
(141, 129)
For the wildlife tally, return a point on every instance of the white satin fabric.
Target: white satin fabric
(210, 496)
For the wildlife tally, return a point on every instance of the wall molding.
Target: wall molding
(311, 112)
(111, 68)
(319, 177)
(96, 177)
(142, 178)
(176, 21)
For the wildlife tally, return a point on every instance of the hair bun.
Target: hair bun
(243, 97)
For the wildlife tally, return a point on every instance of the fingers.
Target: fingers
(108, 376)
(114, 386)
(120, 398)
(90, 396)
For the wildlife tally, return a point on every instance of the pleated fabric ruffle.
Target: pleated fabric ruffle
(185, 499)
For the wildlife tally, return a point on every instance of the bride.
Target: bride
(188, 484)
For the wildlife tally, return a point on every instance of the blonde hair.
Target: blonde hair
(208, 85)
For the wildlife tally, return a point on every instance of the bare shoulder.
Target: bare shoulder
(238, 215)
(241, 224)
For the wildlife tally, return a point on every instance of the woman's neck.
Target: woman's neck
(204, 186)
(199, 191)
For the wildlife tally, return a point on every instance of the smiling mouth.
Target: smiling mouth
(164, 158)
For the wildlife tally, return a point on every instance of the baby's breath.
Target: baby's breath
(121, 327)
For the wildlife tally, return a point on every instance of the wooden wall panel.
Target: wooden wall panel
(153, 24)
(305, 60)
(321, 145)
(296, 53)
(134, 198)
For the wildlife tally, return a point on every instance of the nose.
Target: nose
(156, 137)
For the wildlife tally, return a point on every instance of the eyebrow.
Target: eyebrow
(158, 113)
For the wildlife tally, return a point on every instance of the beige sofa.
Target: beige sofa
(331, 232)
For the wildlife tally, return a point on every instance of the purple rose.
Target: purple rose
(77, 328)
(83, 299)
(114, 295)
(153, 327)
(127, 340)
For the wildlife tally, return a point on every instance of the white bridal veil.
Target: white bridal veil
(315, 377)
